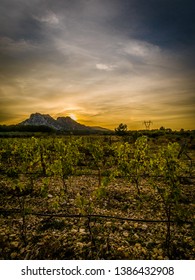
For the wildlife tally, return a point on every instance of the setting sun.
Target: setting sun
(72, 116)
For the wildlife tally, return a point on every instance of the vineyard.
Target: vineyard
(94, 198)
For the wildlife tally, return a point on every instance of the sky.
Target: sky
(103, 62)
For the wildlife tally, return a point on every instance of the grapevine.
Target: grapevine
(101, 191)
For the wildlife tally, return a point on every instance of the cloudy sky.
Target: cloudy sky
(102, 61)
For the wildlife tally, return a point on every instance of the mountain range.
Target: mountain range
(60, 124)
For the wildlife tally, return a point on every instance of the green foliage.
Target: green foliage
(169, 168)
(121, 130)
(85, 205)
(133, 162)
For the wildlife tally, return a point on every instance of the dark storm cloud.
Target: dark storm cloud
(167, 24)
(162, 22)
(17, 22)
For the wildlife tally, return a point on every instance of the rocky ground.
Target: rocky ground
(44, 221)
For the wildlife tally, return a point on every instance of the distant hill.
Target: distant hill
(61, 124)
(100, 128)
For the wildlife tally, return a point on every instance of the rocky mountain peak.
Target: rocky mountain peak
(62, 123)
(41, 119)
